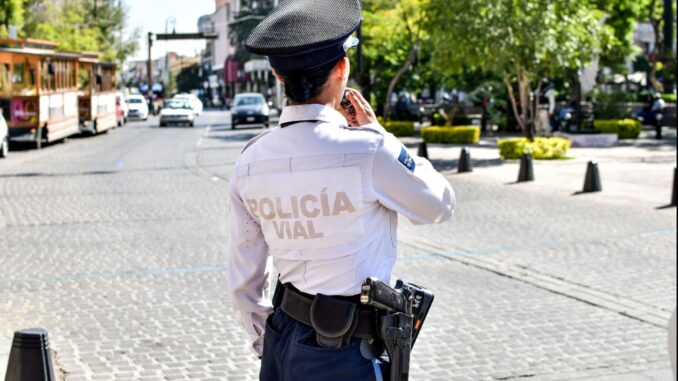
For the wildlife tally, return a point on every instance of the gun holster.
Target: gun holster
(334, 321)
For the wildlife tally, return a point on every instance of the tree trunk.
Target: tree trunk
(512, 97)
(391, 87)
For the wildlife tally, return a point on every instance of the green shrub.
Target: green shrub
(669, 97)
(451, 135)
(400, 128)
(611, 105)
(541, 148)
(624, 128)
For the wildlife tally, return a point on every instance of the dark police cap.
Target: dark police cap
(304, 34)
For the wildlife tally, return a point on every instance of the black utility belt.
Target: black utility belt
(334, 319)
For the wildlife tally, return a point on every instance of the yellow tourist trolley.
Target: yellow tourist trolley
(96, 94)
(38, 90)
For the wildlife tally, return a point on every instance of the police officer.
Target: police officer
(320, 195)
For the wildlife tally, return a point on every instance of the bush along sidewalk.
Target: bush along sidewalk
(451, 135)
(624, 128)
(398, 128)
(540, 148)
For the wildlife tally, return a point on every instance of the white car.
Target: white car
(138, 109)
(4, 137)
(192, 100)
(177, 112)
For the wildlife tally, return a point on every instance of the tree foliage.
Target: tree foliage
(250, 15)
(396, 47)
(93, 25)
(521, 41)
(11, 13)
(620, 18)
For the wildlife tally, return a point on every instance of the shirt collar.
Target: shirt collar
(318, 112)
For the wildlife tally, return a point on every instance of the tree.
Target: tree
(522, 41)
(189, 79)
(652, 12)
(620, 17)
(250, 15)
(394, 38)
(93, 25)
(11, 13)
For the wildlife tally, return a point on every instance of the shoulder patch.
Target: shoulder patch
(255, 139)
(406, 160)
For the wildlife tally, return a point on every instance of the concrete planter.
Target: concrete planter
(591, 140)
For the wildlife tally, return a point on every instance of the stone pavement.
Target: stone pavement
(116, 245)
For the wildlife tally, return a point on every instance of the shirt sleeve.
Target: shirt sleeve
(410, 185)
(247, 273)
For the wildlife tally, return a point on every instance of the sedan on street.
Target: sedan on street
(138, 109)
(192, 100)
(249, 108)
(177, 112)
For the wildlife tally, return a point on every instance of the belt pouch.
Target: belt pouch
(334, 321)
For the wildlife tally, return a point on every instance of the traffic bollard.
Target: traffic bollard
(464, 164)
(592, 180)
(422, 151)
(526, 172)
(30, 358)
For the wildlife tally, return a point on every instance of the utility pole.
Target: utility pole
(149, 64)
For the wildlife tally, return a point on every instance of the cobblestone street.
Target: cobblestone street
(116, 244)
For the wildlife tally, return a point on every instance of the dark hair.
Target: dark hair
(301, 86)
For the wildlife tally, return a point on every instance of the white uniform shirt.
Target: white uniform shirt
(322, 199)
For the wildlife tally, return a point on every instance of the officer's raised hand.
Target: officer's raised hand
(363, 111)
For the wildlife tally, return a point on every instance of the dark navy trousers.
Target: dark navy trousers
(291, 353)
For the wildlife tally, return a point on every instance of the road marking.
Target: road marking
(639, 311)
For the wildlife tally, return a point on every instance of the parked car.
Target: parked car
(138, 109)
(4, 137)
(177, 112)
(119, 98)
(249, 108)
(192, 100)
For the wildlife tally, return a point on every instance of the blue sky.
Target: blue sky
(150, 15)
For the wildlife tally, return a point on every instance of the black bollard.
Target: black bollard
(674, 192)
(464, 162)
(526, 172)
(422, 151)
(592, 180)
(30, 358)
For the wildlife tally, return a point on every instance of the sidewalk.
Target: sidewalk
(635, 171)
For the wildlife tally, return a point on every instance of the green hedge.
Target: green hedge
(399, 128)
(541, 148)
(451, 135)
(624, 128)
(669, 97)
